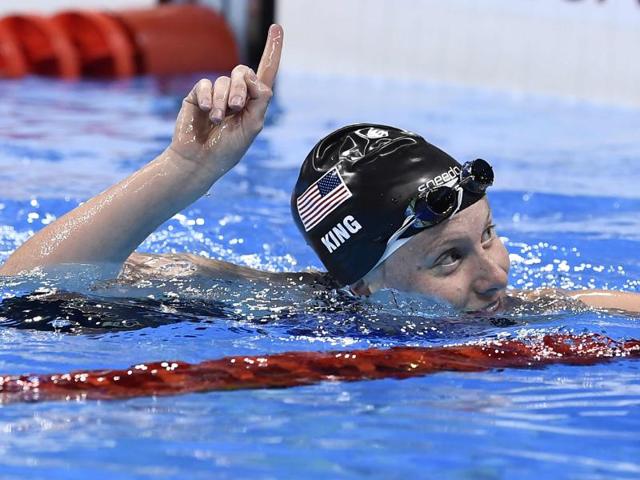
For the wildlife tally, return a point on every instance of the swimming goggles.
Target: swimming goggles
(436, 204)
(439, 203)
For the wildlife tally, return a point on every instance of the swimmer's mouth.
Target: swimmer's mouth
(490, 308)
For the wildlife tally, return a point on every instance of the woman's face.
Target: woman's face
(461, 261)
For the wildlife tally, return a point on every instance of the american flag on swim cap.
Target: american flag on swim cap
(321, 198)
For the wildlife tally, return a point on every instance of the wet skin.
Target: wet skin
(461, 262)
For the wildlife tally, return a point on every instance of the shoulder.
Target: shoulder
(153, 265)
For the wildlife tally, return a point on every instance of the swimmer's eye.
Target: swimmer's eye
(489, 233)
(448, 258)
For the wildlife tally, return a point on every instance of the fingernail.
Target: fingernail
(252, 76)
(236, 101)
(217, 115)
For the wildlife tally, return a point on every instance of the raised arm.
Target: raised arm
(216, 125)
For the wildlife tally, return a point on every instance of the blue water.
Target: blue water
(566, 201)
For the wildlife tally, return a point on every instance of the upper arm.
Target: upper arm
(172, 265)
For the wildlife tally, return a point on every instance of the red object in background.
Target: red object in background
(171, 39)
(45, 48)
(101, 42)
(175, 39)
(12, 61)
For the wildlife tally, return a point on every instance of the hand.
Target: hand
(218, 122)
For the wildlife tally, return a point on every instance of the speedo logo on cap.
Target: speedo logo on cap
(340, 233)
(321, 198)
(442, 179)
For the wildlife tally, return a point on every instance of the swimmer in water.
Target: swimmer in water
(381, 207)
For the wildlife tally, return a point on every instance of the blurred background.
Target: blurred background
(573, 48)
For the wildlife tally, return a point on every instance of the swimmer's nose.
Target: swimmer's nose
(491, 278)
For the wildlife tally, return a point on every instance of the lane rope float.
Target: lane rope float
(298, 368)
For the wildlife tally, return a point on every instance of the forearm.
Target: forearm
(601, 299)
(108, 227)
(614, 300)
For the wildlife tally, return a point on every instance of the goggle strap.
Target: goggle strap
(392, 247)
(394, 242)
(460, 199)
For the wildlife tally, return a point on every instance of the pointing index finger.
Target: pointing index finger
(271, 56)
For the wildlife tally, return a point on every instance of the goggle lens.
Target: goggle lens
(435, 204)
(476, 176)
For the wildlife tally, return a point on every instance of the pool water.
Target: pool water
(566, 202)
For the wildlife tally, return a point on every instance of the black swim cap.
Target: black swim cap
(353, 190)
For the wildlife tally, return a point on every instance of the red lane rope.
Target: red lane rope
(304, 368)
